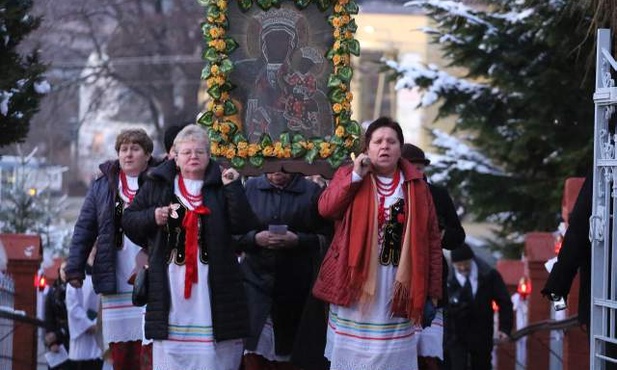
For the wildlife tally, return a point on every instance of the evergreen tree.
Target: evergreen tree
(21, 81)
(524, 104)
(28, 209)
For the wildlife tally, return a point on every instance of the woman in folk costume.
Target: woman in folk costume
(185, 214)
(384, 263)
(99, 221)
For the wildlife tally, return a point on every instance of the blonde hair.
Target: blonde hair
(192, 132)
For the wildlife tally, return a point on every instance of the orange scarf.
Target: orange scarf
(191, 227)
(411, 281)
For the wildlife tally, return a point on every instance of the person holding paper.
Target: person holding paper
(279, 263)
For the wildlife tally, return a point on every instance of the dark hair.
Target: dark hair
(170, 135)
(379, 123)
(414, 154)
(135, 136)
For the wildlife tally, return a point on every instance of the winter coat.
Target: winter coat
(98, 223)
(278, 281)
(471, 323)
(230, 213)
(575, 254)
(334, 204)
(56, 318)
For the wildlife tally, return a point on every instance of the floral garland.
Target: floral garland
(221, 116)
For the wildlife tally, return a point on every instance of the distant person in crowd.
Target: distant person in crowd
(279, 263)
(575, 255)
(430, 344)
(185, 214)
(82, 307)
(100, 221)
(56, 319)
(168, 139)
(383, 266)
(472, 287)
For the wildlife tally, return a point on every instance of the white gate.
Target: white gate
(603, 223)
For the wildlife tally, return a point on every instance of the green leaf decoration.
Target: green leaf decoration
(265, 140)
(354, 47)
(285, 139)
(354, 129)
(238, 162)
(276, 3)
(203, 2)
(331, 19)
(213, 12)
(257, 161)
(335, 162)
(323, 5)
(311, 155)
(264, 4)
(230, 108)
(227, 66)
(297, 150)
(344, 117)
(337, 96)
(334, 81)
(301, 4)
(336, 140)
(232, 128)
(215, 92)
(214, 136)
(231, 45)
(330, 54)
(211, 55)
(239, 136)
(205, 72)
(245, 5)
(352, 7)
(297, 138)
(207, 118)
(345, 73)
(352, 26)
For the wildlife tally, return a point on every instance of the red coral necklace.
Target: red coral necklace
(126, 191)
(194, 200)
(385, 190)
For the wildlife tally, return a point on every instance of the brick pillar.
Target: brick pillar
(511, 271)
(539, 247)
(24, 257)
(575, 341)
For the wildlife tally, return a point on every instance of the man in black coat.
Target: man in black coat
(452, 236)
(575, 254)
(473, 286)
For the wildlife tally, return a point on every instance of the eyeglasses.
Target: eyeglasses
(196, 152)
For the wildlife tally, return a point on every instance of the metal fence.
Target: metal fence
(603, 223)
(7, 301)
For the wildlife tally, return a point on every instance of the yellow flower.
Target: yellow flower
(349, 96)
(222, 4)
(309, 145)
(338, 8)
(210, 82)
(343, 87)
(219, 80)
(345, 19)
(340, 131)
(337, 107)
(224, 96)
(337, 45)
(336, 33)
(348, 35)
(216, 32)
(242, 153)
(230, 153)
(225, 128)
(336, 59)
(324, 150)
(336, 22)
(287, 152)
(348, 143)
(253, 149)
(347, 106)
(242, 145)
(222, 18)
(209, 105)
(214, 148)
(214, 69)
(268, 151)
(219, 111)
(216, 126)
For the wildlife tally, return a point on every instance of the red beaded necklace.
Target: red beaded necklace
(126, 191)
(194, 200)
(385, 190)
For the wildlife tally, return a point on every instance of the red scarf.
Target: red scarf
(190, 223)
(411, 283)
